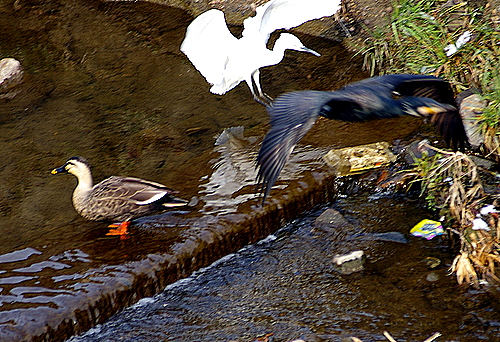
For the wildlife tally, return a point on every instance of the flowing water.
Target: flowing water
(287, 285)
(107, 81)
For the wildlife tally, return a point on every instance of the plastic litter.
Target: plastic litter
(488, 209)
(349, 263)
(451, 49)
(356, 159)
(479, 224)
(427, 229)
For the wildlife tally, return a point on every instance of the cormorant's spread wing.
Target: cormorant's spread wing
(451, 126)
(449, 123)
(429, 86)
(292, 116)
(406, 86)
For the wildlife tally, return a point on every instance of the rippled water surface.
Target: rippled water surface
(288, 286)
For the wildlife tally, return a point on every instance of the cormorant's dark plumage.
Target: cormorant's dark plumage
(293, 114)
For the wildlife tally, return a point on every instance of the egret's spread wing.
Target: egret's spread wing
(292, 116)
(251, 25)
(285, 14)
(207, 44)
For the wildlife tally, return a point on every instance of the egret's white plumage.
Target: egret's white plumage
(225, 60)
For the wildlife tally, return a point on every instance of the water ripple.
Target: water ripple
(19, 255)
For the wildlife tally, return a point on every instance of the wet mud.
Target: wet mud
(107, 81)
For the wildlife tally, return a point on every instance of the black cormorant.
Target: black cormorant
(293, 114)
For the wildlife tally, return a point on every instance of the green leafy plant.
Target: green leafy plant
(416, 39)
(415, 42)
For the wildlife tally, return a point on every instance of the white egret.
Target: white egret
(225, 60)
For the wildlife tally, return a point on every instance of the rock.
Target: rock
(332, 221)
(471, 108)
(432, 277)
(416, 150)
(481, 162)
(359, 158)
(387, 236)
(11, 74)
(349, 263)
(332, 218)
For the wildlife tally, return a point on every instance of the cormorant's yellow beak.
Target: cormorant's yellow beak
(425, 110)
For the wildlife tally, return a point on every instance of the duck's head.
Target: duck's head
(75, 165)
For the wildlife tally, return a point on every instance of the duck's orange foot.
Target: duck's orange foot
(121, 229)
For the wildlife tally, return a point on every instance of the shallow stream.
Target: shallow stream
(287, 285)
(107, 81)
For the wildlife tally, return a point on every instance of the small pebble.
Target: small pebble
(432, 277)
(11, 74)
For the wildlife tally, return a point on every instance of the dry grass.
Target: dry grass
(479, 258)
(415, 42)
(452, 184)
(391, 339)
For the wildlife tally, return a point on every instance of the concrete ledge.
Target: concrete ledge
(93, 296)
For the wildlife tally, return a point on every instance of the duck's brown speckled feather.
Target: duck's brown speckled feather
(116, 199)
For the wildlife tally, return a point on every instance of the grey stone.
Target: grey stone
(350, 263)
(416, 150)
(471, 109)
(432, 277)
(11, 74)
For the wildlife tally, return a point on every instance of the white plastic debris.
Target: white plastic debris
(340, 259)
(11, 74)
(488, 209)
(349, 263)
(451, 49)
(479, 224)
(464, 38)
